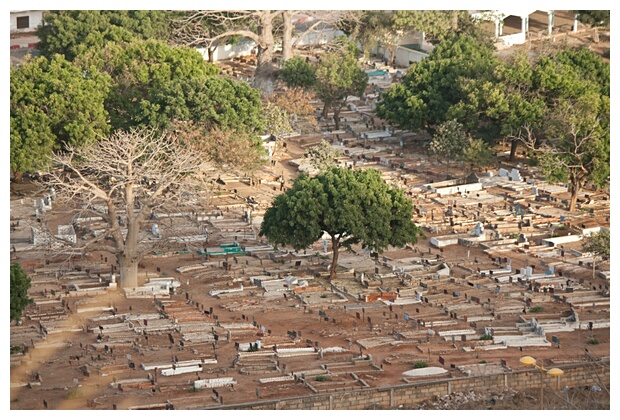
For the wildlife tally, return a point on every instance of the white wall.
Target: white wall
(35, 19)
(403, 56)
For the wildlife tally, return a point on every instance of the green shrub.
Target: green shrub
(323, 296)
(486, 337)
(419, 365)
(537, 309)
(321, 378)
(74, 394)
(16, 349)
(593, 341)
(193, 389)
(482, 362)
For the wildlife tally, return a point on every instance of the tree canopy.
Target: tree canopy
(593, 17)
(297, 72)
(54, 103)
(434, 86)
(20, 283)
(351, 206)
(154, 83)
(339, 76)
(578, 144)
(599, 244)
(73, 32)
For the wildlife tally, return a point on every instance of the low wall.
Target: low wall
(574, 375)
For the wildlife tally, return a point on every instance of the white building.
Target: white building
(25, 20)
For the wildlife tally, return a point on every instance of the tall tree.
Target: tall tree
(73, 32)
(378, 29)
(599, 244)
(145, 74)
(53, 104)
(578, 143)
(432, 87)
(217, 101)
(352, 207)
(20, 283)
(339, 76)
(257, 25)
(123, 178)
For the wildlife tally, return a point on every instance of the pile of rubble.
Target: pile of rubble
(469, 401)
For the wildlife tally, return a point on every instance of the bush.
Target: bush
(192, 389)
(537, 309)
(321, 378)
(486, 337)
(296, 72)
(16, 349)
(419, 365)
(323, 296)
(593, 341)
(74, 394)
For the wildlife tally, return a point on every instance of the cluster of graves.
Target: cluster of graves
(222, 317)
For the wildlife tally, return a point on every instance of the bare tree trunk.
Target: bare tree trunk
(287, 35)
(574, 189)
(513, 149)
(335, 246)
(337, 118)
(264, 75)
(211, 51)
(19, 176)
(392, 55)
(129, 271)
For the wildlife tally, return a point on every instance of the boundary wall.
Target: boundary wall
(582, 374)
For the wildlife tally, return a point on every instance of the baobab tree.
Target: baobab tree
(207, 28)
(123, 179)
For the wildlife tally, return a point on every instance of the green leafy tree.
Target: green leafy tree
(219, 102)
(73, 32)
(53, 104)
(437, 25)
(432, 87)
(352, 207)
(377, 28)
(594, 17)
(297, 72)
(477, 152)
(450, 141)
(20, 283)
(154, 83)
(339, 76)
(598, 244)
(578, 145)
